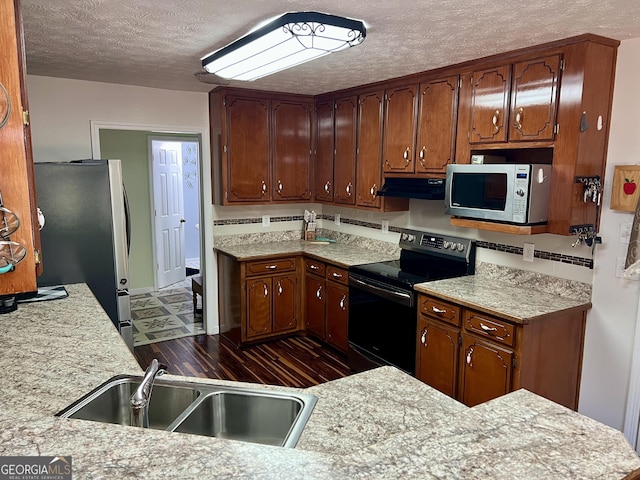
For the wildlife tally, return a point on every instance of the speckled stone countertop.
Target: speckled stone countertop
(378, 424)
(337, 253)
(513, 302)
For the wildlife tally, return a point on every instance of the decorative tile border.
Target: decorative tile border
(554, 257)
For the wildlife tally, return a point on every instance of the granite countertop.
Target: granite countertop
(493, 296)
(340, 254)
(378, 424)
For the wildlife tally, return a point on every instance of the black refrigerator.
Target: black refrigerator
(85, 237)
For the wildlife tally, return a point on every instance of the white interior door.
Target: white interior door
(169, 212)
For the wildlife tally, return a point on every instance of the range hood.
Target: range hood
(424, 188)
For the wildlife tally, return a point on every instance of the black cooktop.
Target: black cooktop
(424, 257)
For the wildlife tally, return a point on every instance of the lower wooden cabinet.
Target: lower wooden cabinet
(326, 303)
(475, 357)
(272, 305)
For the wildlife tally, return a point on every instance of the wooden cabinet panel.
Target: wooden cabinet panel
(436, 129)
(485, 371)
(314, 266)
(324, 183)
(262, 267)
(338, 275)
(247, 147)
(533, 101)
(399, 129)
(315, 305)
(369, 164)
(494, 328)
(447, 312)
(258, 307)
(285, 300)
(437, 355)
(346, 111)
(337, 315)
(490, 105)
(291, 150)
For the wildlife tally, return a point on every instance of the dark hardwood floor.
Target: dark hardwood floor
(290, 362)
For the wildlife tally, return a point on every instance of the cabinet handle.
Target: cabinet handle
(336, 275)
(327, 187)
(344, 297)
(279, 288)
(271, 267)
(314, 267)
(487, 329)
(438, 310)
(423, 338)
(406, 155)
(469, 357)
(494, 120)
(374, 190)
(264, 188)
(266, 291)
(422, 155)
(279, 189)
(348, 189)
(519, 116)
(319, 293)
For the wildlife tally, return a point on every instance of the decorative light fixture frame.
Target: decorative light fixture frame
(285, 42)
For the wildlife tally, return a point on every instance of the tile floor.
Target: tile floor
(166, 314)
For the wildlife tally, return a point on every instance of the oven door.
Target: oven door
(382, 325)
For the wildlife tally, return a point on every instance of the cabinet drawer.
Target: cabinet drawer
(338, 275)
(444, 311)
(491, 327)
(270, 266)
(314, 266)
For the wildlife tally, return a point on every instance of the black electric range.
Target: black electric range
(382, 302)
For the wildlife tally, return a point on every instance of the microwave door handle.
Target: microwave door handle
(392, 295)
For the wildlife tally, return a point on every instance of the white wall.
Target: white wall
(611, 322)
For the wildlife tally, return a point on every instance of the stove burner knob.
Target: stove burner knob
(411, 238)
(460, 247)
(445, 244)
(404, 237)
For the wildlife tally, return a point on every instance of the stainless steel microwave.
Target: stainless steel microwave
(510, 193)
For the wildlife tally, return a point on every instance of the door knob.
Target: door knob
(182, 220)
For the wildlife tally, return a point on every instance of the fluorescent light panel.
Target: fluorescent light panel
(289, 40)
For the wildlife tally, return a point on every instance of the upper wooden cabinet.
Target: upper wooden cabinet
(514, 102)
(400, 107)
(261, 146)
(17, 184)
(344, 170)
(368, 164)
(324, 183)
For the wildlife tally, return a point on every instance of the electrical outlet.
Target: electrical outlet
(336, 220)
(528, 252)
(266, 220)
(385, 226)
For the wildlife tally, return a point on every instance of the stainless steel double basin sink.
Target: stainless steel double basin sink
(268, 417)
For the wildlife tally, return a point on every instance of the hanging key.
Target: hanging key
(577, 242)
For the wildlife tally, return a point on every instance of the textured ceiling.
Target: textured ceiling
(159, 43)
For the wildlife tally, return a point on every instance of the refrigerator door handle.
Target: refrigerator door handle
(120, 217)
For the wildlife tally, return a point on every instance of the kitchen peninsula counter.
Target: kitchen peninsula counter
(378, 424)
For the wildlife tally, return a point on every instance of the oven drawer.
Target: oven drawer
(444, 311)
(338, 275)
(494, 328)
(270, 266)
(314, 266)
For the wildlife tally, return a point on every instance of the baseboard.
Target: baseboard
(141, 291)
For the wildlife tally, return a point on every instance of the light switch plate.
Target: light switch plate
(528, 252)
(385, 226)
(336, 220)
(266, 220)
(625, 232)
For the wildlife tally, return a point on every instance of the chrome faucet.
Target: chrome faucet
(139, 401)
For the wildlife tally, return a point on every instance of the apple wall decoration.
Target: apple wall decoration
(629, 186)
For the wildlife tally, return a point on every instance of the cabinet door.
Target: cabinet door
(337, 315)
(258, 307)
(324, 152)
(346, 111)
(369, 161)
(485, 371)
(246, 153)
(400, 129)
(490, 105)
(533, 101)
(291, 150)
(437, 116)
(315, 305)
(285, 303)
(437, 355)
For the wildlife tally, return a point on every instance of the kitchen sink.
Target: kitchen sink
(268, 417)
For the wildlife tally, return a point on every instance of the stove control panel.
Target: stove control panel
(444, 245)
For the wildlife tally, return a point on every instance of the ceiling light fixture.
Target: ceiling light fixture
(289, 40)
